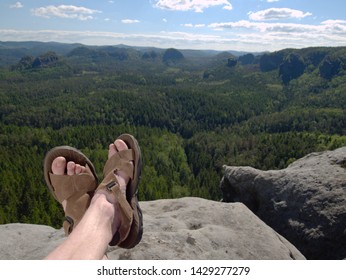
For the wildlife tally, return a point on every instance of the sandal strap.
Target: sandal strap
(76, 206)
(120, 161)
(111, 184)
(135, 234)
(71, 185)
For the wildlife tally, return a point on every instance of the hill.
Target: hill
(191, 117)
(12, 52)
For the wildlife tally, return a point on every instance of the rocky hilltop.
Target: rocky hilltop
(306, 202)
(186, 228)
(294, 213)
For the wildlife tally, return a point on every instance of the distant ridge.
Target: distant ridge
(36, 48)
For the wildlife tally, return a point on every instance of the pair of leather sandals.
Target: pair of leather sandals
(77, 190)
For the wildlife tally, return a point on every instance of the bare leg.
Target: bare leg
(90, 238)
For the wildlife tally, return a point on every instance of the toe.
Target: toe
(71, 168)
(112, 150)
(59, 166)
(78, 169)
(120, 145)
(122, 177)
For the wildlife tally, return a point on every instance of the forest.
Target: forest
(191, 111)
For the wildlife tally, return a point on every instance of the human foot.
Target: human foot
(123, 177)
(71, 178)
(59, 167)
(120, 184)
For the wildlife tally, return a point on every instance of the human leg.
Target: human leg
(90, 238)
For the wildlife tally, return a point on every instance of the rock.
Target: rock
(25, 63)
(186, 228)
(306, 202)
(46, 60)
(292, 67)
(28, 242)
(172, 56)
(232, 62)
(247, 59)
(314, 56)
(330, 67)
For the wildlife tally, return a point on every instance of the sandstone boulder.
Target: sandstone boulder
(306, 202)
(186, 228)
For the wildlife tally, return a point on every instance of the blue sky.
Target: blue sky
(243, 25)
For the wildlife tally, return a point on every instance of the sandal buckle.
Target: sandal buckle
(71, 222)
(110, 185)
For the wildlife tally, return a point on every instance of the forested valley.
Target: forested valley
(191, 111)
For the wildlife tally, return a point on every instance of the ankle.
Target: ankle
(108, 210)
(103, 205)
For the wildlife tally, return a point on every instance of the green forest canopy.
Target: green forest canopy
(191, 116)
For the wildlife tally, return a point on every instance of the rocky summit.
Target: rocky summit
(185, 228)
(306, 202)
(295, 213)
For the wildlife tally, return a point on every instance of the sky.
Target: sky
(241, 25)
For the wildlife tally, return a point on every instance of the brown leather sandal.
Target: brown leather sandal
(77, 189)
(131, 229)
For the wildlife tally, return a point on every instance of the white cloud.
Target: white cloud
(271, 1)
(188, 37)
(257, 37)
(196, 5)
(245, 36)
(277, 14)
(130, 21)
(162, 39)
(190, 25)
(65, 11)
(333, 22)
(267, 27)
(228, 7)
(164, 20)
(335, 26)
(17, 5)
(284, 35)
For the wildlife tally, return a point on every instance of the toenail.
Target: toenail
(60, 163)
